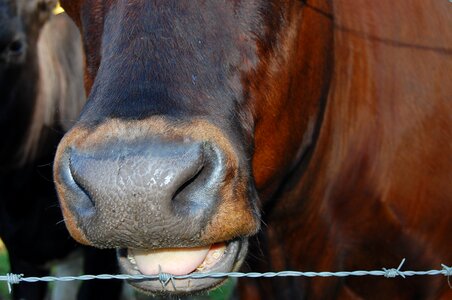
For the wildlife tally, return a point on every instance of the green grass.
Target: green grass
(225, 291)
(4, 268)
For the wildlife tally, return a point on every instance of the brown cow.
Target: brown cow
(330, 119)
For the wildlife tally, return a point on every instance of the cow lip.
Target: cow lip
(230, 261)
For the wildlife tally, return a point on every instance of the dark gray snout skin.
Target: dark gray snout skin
(167, 186)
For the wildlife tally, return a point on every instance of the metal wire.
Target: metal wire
(165, 278)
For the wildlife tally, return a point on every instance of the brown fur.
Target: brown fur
(377, 187)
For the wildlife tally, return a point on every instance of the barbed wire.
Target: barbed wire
(165, 278)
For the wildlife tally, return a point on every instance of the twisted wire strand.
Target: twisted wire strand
(166, 278)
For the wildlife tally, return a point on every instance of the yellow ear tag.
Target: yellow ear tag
(58, 9)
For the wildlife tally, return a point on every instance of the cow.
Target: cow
(41, 94)
(315, 133)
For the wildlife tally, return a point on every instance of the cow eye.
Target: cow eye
(44, 9)
(45, 5)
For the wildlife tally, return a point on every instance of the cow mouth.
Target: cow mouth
(215, 258)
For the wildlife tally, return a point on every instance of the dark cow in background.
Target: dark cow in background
(41, 94)
(330, 121)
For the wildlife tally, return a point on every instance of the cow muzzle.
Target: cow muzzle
(176, 202)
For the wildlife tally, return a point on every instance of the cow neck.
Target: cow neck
(313, 100)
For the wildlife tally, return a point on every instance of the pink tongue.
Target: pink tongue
(176, 261)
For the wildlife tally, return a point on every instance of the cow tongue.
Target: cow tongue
(176, 261)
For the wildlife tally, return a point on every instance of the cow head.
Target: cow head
(20, 24)
(194, 110)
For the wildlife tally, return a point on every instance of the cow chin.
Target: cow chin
(218, 258)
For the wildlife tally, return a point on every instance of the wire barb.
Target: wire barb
(13, 279)
(165, 278)
(447, 271)
(392, 273)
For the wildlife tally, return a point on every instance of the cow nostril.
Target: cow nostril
(14, 50)
(186, 185)
(85, 203)
(198, 192)
(16, 47)
(89, 201)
